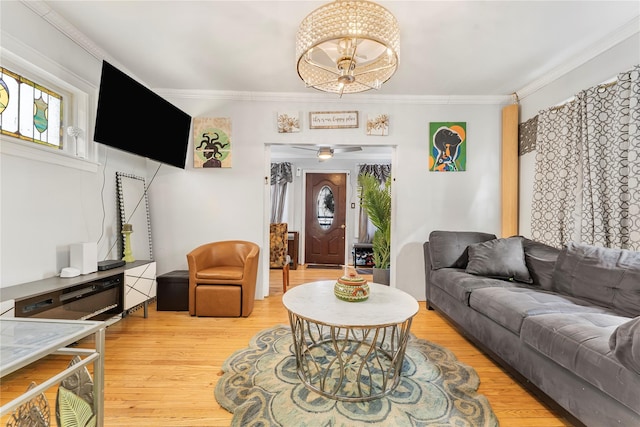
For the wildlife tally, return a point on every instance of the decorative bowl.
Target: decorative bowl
(351, 289)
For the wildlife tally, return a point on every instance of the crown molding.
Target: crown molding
(329, 98)
(618, 36)
(43, 10)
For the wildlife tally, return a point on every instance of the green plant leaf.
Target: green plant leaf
(74, 411)
(376, 201)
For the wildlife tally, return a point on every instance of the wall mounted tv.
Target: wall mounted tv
(132, 118)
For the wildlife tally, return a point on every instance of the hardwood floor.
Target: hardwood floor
(161, 371)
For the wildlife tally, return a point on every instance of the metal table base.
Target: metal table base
(353, 364)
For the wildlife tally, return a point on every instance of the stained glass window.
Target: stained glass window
(29, 111)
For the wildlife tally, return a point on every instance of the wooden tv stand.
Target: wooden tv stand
(103, 295)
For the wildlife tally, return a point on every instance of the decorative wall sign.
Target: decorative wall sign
(378, 124)
(333, 120)
(447, 146)
(288, 122)
(211, 142)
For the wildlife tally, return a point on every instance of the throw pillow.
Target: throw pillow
(448, 249)
(625, 344)
(541, 261)
(500, 259)
(609, 277)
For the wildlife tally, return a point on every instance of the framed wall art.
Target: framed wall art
(333, 119)
(378, 124)
(447, 146)
(211, 142)
(288, 122)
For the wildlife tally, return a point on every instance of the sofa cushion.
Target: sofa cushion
(541, 261)
(580, 343)
(460, 285)
(510, 306)
(500, 259)
(625, 344)
(609, 277)
(448, 249)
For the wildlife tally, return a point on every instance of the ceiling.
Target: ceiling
(448, 48)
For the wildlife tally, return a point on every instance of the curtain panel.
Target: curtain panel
(365, 228)
(587, 173)
(281, 176)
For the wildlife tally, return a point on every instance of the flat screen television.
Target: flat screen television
(132, 118)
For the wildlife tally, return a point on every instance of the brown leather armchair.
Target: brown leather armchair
(222, 278)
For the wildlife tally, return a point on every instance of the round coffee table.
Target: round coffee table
(349, 351)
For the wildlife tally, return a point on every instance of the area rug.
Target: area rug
(259, 385)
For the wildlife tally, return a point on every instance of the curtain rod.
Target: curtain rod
(573, 98)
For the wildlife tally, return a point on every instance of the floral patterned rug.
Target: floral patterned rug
(259, 385)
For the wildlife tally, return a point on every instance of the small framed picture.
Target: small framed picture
(378, 124)
(333, 119)
(288, 122)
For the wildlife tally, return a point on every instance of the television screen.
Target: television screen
(133, 118)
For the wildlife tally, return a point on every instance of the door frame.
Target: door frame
(263, 292)
(303, 204)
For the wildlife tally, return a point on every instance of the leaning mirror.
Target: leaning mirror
(133, 204)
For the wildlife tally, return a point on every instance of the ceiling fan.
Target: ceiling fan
(325, 152)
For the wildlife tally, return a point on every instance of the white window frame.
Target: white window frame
(78, 153)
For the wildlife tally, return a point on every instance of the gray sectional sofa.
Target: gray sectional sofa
(566, 323)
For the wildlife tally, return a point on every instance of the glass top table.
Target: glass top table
(349, 351)
(26, 340)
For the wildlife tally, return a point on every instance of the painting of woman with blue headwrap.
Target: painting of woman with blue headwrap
(447, 146)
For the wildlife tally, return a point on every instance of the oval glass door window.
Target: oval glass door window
(326, 207)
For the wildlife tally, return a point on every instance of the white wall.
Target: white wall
(601, 68)
(44, 208)
(194, 206)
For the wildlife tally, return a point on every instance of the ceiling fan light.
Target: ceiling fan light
(359, 33)
(325, 153)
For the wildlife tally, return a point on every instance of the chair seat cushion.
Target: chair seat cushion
(220, 273)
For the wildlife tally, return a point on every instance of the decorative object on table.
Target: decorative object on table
(331, 58)
(378, 124)
(350, 287)
(260, 383)
(333, 119)
(289, 122)
(376, 201)
(127, 229)
(33, 413)
(447, 146)
(212, 142)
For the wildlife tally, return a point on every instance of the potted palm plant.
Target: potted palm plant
(376, 201)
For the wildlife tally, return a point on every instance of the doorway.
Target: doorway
(325, 218)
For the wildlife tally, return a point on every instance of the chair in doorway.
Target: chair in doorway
(222, 278)
(279, 251)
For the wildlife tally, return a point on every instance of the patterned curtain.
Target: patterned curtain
(527, 136)
(611, 163)
(280, 177)
(365, 228)
(555, 189)
(587, 183)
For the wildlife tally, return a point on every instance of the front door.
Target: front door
(325, 214)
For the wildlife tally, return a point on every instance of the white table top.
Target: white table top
(316, 301)
(25, 340)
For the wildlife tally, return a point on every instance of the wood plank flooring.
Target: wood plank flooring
(161, 371)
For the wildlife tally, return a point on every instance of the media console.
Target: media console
(103, 295)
